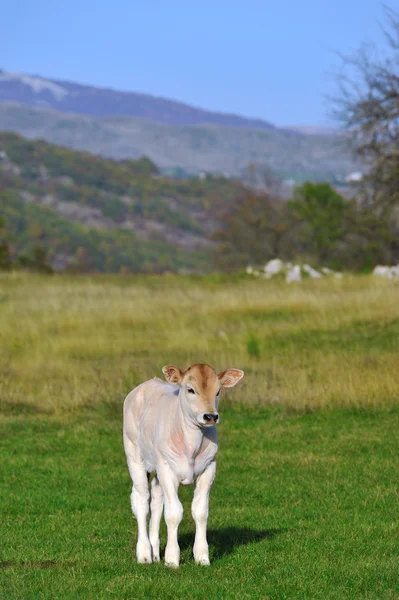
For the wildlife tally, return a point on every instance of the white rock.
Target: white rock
(294, 274)
(395, 271)
(311, 272)
(250, 270)
(273, 267)
(327, 271)
(383, 271)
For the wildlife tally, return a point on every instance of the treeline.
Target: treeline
(317, 225)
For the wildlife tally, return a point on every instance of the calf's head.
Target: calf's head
(200, 389)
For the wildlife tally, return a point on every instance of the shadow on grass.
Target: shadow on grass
(224, 541)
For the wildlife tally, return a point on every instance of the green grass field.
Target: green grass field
(305, 502)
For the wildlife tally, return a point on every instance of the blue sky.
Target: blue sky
(268, 59)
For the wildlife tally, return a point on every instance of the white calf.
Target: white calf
(169, 428)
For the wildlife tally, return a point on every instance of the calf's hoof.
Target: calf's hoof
(143, 552)
(201, 555)
(203, 561)
(172, 558)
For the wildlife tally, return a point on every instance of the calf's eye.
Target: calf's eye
(190, 390)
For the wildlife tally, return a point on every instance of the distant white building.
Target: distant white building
(354, 177)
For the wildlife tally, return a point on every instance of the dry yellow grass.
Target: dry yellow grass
(67, 342)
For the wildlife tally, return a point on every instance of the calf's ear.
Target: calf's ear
(172, 374)
(230, 377)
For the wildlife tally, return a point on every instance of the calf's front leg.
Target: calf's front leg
(173, 512)
(199, 510)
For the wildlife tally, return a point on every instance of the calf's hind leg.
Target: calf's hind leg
(139, 498)
(156, 513)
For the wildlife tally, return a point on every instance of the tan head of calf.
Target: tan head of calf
(200, 389)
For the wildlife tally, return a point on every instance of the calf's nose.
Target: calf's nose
(211, 417)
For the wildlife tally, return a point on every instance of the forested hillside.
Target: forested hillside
(91, 213)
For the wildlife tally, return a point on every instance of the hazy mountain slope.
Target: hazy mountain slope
(199, 148)
(70, 97)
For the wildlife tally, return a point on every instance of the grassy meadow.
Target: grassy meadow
(305, 502)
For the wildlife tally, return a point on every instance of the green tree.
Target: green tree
(37, 261)
(254, 230)
(368, 238)
(320, 213)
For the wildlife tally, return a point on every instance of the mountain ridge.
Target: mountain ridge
(77, 98)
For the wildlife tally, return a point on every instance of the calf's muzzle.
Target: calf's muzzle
(211, 418)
